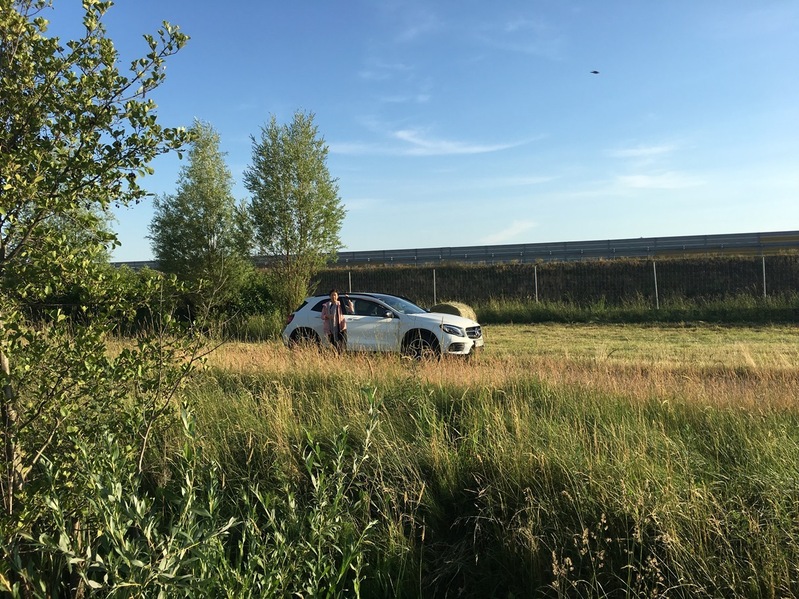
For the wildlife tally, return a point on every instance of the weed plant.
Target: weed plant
(189, 530)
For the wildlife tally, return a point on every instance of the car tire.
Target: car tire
(304, 337)
(421, 345)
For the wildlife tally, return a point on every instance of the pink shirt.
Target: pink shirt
(333, 317)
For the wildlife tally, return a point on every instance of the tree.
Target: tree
(76, 134)
(195, 232)
(295, 208)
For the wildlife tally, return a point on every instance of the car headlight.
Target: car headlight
(451, 329)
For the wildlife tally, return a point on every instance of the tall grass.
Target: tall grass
(742, 309)
(253, 327)
(492, 479)
(573, 472)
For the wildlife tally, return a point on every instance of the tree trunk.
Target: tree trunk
(12, 477)
(10, 418)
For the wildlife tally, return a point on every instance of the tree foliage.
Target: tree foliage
(295, 208)
(76, 135)
(196, 232)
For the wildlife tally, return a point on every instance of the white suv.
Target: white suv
(387, 323)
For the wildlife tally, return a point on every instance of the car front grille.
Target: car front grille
(474, 332)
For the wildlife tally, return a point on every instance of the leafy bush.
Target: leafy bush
(194, 534)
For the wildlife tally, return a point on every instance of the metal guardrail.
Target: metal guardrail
(644, 247)
(567, 251)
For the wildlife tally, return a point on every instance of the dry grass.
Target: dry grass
(750, 367)
(455, 308)
(676, 445)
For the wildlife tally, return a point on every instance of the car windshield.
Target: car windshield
(400, 305)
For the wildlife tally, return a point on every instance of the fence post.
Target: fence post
(434, 287)
(764, 277)
(349, 277)
(535, 276)
(655, 273)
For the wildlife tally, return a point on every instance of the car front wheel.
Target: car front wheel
(421, 345)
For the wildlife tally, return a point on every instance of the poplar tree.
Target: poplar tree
(295, 209)
(195, 232)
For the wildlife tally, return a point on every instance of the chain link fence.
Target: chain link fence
(582, 283)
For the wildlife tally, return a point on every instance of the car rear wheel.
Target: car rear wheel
(304, 337)
(421, 345)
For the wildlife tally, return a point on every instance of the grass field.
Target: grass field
(732, 365)
(563, 461)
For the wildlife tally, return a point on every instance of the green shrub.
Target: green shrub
(195, 533)
(254, 327)
(739, 309)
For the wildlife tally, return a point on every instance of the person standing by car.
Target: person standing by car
(333, 320)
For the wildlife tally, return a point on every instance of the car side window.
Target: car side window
(319, 304)
(345, 304)
(367, 308)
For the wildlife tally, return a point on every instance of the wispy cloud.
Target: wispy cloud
(653, 163)
(408, 21)
(510, 182)
(389, 75)
(520, 181)
(417, 144)
(667, 180)
(528, 36)
(355, 148)
(410, 142)
(641, 151)
(384, 71)
(419, 24)
(406, 99)
(509, 233)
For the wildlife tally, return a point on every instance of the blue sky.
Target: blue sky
(469, 122)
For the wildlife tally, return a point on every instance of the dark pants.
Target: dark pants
(338, 340)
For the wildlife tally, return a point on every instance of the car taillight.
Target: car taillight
(290, 318)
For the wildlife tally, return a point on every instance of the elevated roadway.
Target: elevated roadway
(755, 244)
